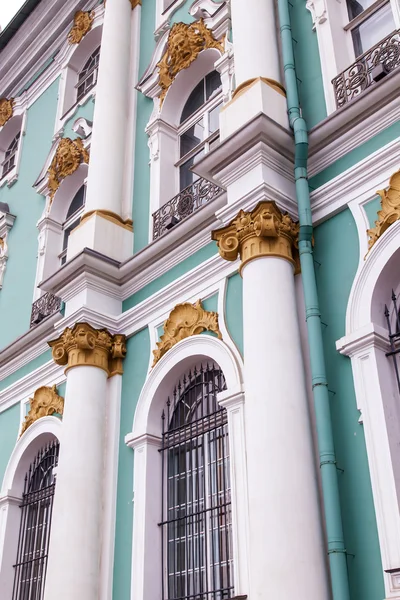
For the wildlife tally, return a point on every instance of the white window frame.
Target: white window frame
(70, 221)
(17, 124)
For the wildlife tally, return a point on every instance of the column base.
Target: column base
(104, 232)
(256, 96)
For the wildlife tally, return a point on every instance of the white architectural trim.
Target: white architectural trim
(6, 224)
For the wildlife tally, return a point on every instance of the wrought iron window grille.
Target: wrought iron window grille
(88, 76)
(44, 307)
(368, 69)
(34, 534)
(394, 334)
(183, 205)
(196, 519)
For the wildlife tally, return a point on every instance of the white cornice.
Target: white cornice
(370, 336)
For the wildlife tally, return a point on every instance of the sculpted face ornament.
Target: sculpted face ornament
(185, 42)
(6, 110)
(69, 155)
(82, 24)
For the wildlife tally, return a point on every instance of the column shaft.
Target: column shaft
(107, 151)
(284, 515)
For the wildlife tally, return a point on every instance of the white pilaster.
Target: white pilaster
(76, 533)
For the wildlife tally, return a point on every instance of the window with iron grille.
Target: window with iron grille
(87, 78)
(370, 22)
(10, 156)
(34, 533)
(196, 521)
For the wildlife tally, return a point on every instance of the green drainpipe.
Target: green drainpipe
(333, 517)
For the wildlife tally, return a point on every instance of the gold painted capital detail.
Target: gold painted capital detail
(265, 231)
(82, 24)
(135, 3)
(45, 402)
(85, 346)
(69, 155)
(390, 209)
(185, 42)
(184, 321)
(6, 110)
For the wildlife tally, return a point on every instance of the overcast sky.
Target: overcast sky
(8, 8)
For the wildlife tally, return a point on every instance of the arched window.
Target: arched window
(87, 78)
(196, 522)
(10, 156)
(72, 220)
(34, 533)
(199, 128)
(369, 25)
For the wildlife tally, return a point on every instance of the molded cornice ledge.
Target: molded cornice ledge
(370, 336)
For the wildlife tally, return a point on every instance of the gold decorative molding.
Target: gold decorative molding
(82, 24)
(69, 155)
(390, 209)
(265, 231)
(278, 87)
(85, 346)
(185, 320)
(185, 42)
(6, 110)
(109, 216)
(45, 402)
(135, 3)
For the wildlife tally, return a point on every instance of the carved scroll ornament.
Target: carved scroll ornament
(45, 402)
(69, 155)
(185, 320)
(390, 209)
(185, 42)
(6, 110)
(82, 24)
(265, 231)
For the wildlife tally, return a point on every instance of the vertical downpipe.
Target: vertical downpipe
(333, 517)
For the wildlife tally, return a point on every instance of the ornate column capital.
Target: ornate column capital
(85, 346)
(265, 231)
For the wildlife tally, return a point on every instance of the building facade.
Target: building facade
(199, 246)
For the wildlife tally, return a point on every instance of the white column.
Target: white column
(76, 531)
(107, 150)
(286, 547)
(255, 41)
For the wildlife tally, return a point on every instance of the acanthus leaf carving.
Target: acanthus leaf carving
(390, 209)
(82, 25)
(184, 321)
(185, 42)
(6, 110)
(69, 155)
(45, 402)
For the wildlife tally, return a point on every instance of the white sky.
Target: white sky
(8, 8)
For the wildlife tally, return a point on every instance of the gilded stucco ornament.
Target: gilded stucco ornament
(390, 209)
(82, 24)
(85, 346)
(185, 42)
(265, 231)
(45, 402)
(69, 155)
(185, 320)
(6, 110)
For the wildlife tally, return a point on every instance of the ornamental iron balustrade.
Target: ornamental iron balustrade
(196, 518)
(183, 205)
(34, 534)
(369, 68)
(46, 305)
(394, 334)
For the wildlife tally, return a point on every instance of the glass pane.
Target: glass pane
(356, 7)
(373, 30)
(77, 202)
(195, 100)
(213, 84)
(213, 119)
(187, 177)
(192, 137)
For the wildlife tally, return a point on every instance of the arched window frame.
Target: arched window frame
(72, 220)
(146, 439)
(8, 133)
(40, 433)
(333, 28)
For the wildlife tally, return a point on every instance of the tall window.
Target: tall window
(87, 78)
(34, 533)
(72, 220)
(196, 521)
(370, 22)
(199, 127)
(10, 156)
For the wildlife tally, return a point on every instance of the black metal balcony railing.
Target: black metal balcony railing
(46, 305)
(368, 69)
(183, 205)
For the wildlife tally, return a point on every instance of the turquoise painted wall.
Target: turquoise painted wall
(9, 424)
(85, 111)
(371, 209)
(17, 292)
(337, 251)
(26, 369)
(135, 371)
(234, 309)
(308, 65)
